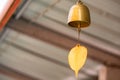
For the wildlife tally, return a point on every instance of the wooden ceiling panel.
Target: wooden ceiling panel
(101, 25)
(38, 59)
(45, 60)
(106, 5)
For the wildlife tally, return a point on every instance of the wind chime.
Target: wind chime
(79, 17)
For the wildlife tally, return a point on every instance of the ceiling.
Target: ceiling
(103, 32)
(39, 59)
(45, 61)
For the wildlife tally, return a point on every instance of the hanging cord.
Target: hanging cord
(79, 30)
(79, 27)
(79, 2)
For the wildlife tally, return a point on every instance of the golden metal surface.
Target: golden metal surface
(77, 58)
(79, 15)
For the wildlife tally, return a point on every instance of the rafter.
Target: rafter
(55, 38)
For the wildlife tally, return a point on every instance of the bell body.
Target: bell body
(79, 16)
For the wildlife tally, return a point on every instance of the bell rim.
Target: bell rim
(84, 24)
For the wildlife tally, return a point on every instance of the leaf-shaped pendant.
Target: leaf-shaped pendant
(77, 58)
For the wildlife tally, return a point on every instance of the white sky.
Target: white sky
(4, 6)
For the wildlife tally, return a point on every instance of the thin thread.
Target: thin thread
(79, 1)
(79, 30)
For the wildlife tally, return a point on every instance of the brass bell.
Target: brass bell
(79, 16)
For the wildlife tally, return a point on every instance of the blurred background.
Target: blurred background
(35, 42)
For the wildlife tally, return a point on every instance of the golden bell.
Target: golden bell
(79, 15)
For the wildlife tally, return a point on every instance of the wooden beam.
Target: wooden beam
(55, 38)
(9, 13)
(14, 74)
(57, 62)
(109, 73)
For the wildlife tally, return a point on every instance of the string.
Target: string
(79, 30)
(79, 1)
